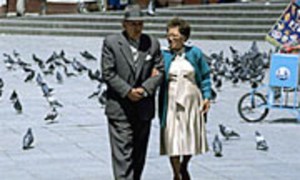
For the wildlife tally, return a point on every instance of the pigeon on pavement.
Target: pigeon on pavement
(217, 146)
(30, 76)
(39, 80)
(88, 56)
(218, 84)
(95, 76)
(53, 102)
(18, 106)
(1, 83)
(13, 96)
(46, 89)
(38, 61)
(28, 139)
(15, 53)
(51, 116)
(59, 77)
(227, 132)
(67, 73)
(261, 143)
(103, 98)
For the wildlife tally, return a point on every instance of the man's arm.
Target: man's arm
(157, 75)
(109, 74)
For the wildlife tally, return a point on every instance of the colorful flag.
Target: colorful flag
(287, 28)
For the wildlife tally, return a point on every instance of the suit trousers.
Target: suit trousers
(128, 141)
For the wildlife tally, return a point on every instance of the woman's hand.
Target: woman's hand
(206, 106)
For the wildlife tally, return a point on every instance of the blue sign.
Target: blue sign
(284, 70)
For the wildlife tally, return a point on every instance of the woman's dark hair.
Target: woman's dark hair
(184, 26)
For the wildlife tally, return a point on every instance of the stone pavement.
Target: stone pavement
(76, 147)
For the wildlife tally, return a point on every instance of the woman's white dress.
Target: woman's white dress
(185, 132)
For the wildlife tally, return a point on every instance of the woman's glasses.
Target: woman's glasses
(174, 36)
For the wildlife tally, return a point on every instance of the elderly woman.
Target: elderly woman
(184, 98)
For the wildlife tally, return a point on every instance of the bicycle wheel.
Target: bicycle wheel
(251, 107)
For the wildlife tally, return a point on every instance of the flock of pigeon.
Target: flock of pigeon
(249, 67)
(228, 133)
(52, 66)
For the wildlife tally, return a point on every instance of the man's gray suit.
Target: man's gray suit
(129, 122)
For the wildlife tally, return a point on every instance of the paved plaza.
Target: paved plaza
(77, 147)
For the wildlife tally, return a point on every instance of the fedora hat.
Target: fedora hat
(133, 13)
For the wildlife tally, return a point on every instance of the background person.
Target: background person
(151, 8)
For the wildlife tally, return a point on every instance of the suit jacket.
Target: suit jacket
(121, 74)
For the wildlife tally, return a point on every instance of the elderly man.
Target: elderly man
(132, 68)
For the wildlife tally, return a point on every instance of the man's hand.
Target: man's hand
(206, 106)
(136, 94)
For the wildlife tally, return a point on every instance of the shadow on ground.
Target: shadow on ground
(285, 120)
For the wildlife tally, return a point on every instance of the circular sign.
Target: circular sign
(283, 73)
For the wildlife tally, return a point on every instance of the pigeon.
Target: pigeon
(77, 66)
(94, 94)
(46, 89)
(39, 80)
(38, 61)
(213, 95)
(59, 77)
(254, 85)
(16, 54)
(217, 146)
(62, 56)
(1, 83)
(18, 106)
(67, 73)
(62, 53)
(88, 56)
(23, 63)
(53, 102)
(50, 70)
(52, 115)
(28, 139)
(58, 63)
(235, 80)
(218, 84)
(214, 77)
(52, 58)
(9, 63)
(95, 76)
(261, 143)
(254, 47)
(13, 96)
(66, 61)
(6, 55)
(97, 92)
(234, 51)
(29, 77)
(227, 132)
(103, 98)
(27, 69)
